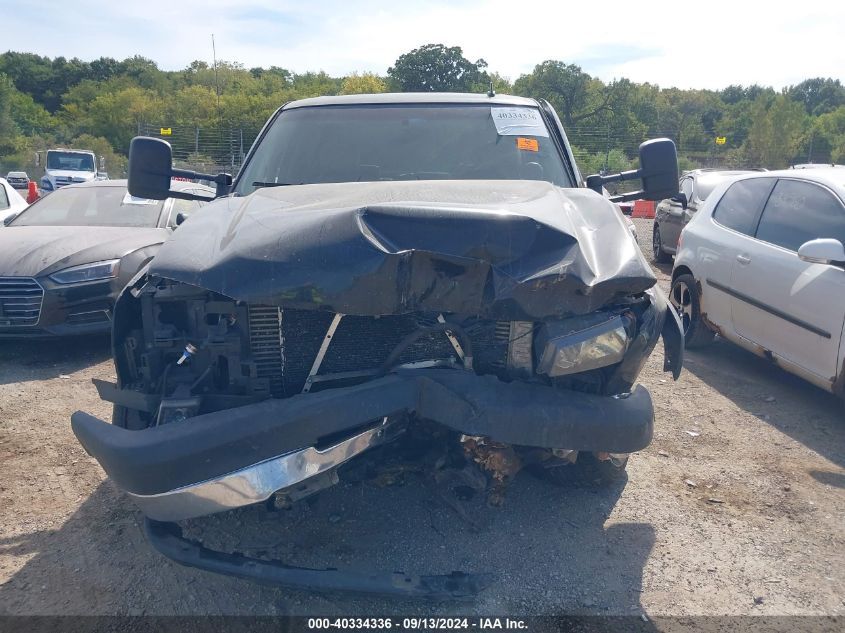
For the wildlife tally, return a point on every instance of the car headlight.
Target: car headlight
(87, 272)
(574, 345)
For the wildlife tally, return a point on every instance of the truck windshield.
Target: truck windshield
(70, 161)
(91, 206)
(368, 143)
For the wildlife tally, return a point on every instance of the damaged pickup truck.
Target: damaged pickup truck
(380, 262)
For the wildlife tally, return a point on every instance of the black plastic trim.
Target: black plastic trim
(167, 538)
(765, 307)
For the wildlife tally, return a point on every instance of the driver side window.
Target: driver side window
(4, 198)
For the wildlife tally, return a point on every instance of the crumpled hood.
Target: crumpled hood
(32, 251)
(499, 249)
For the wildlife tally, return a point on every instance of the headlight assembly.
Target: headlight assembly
(575, 345)
(87, 272)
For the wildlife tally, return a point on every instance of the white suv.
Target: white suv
(763, 265)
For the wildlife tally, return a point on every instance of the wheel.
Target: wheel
(660, 256)
(686, 299)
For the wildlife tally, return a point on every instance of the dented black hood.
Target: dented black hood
(499, 249)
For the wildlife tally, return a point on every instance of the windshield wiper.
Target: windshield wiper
(259, 183)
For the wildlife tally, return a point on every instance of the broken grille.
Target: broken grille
(284, 344)
(265, 341)
(20, 301)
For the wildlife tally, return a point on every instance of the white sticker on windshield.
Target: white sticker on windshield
(518, 122)
(130, 199)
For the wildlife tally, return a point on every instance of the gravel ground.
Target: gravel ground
(769, 448)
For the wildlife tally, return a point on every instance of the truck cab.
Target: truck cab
(67, 167)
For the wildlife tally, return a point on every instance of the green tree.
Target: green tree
(830, 127)
(776, 133)
(573, 93)
(438, 68)
(8, 130)
(818, 95)
(366, 83)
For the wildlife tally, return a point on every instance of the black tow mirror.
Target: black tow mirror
(151, 170)
(658, 172)
(181, 217)
(659, 167)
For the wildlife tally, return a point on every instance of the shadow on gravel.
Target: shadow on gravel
(836, 480)
(42, 359)
(551, 548)
(793, 406)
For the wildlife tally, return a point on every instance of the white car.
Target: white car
(763, 265)
(11, 202)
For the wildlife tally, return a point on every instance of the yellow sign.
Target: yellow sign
(166, 131)
(721, 140)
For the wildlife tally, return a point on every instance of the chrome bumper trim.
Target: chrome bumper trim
(260, 481)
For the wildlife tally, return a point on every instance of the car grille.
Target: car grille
(284, 344)
(20, 301)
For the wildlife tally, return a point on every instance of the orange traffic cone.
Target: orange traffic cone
(32, 193)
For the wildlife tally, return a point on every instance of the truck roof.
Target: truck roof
(413, 97)
(77, 151)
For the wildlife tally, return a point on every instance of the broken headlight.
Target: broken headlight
(579, 344)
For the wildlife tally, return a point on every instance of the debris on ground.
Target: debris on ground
(498, 459)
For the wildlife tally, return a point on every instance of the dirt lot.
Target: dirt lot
(736, 508)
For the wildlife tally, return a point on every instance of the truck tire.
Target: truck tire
(686, 299)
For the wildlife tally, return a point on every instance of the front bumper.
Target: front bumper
(176, 460)
(69, 310)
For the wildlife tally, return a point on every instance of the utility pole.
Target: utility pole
(216, 81)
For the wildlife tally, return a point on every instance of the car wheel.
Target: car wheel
(686, 300)
(660, 256)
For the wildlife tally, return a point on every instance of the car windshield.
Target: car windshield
(71, 161)
(367, 143)
(91, 206)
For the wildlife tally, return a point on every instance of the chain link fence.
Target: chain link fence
(223, 148)
(209, 150)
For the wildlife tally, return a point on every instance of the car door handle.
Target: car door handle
(743, 259)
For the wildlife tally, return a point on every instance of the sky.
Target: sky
(708, 44)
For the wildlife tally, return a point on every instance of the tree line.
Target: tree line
(102, 104)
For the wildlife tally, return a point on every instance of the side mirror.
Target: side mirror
(822, 251)
(151, 169)
(658, 172)
(680, 198)
(181, 217)
(659, 169)
(8, 220)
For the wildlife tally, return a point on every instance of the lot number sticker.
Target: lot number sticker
(518, 122)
